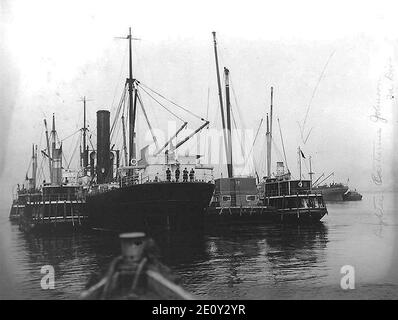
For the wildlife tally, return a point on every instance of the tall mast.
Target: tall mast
(85, 153)
(131, 102)
(229, 140)
(34, 166)
(220, 96)
(269, 136)
(272, 106)
(48, 151)
(53, 138)
(124, 143)
(310, 173)
(134, 143)
(270, 128)
(53, 147)
(268, 149)
(299, 155)
(283, 146)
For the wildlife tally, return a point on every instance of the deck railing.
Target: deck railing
(275, 193)
(78, 196)
(162, 177)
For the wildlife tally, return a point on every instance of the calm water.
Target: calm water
(251, 262)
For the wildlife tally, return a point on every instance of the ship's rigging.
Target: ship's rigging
(136, 94)
(303, 132)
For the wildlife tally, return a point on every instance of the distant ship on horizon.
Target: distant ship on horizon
(352, 195)
(332, 192)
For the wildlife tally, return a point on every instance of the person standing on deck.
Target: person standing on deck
(191, 175)
(168, 174)
(177, 173)
(185, 175)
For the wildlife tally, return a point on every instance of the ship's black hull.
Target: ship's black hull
(145, 207)
(262, 214)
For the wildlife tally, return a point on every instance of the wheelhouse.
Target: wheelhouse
(290, 194)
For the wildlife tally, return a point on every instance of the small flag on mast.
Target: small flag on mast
(302, 154)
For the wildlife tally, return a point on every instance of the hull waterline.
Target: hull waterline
(144, 207)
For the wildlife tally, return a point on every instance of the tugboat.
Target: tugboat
(278, 199)
(162, 189)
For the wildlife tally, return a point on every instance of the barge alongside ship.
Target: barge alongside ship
(56, 207)
(58, 204)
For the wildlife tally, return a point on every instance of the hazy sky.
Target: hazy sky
(54, 52)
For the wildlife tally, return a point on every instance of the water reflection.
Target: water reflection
(253, 262)
(223, 259)
(242, 257)
(74, 258)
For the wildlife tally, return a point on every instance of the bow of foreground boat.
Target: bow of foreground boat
(136, 275)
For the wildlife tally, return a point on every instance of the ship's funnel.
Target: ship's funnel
(104, 173)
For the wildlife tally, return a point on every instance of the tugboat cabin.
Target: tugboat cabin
(283, 193)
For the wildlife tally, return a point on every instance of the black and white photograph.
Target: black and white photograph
(198, 150)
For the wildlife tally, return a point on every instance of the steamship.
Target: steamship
(155, 191)
(333, 191)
